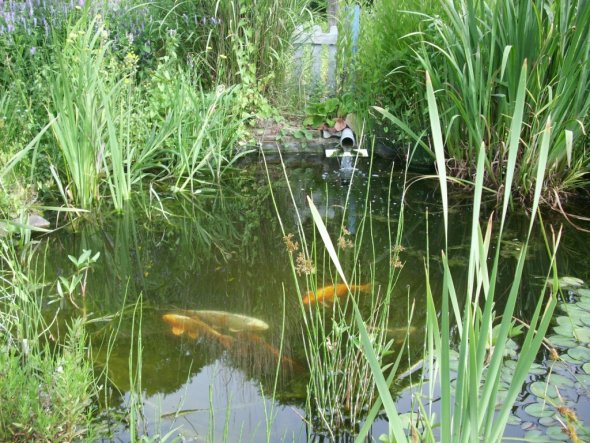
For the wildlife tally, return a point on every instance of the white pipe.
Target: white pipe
(347, 141)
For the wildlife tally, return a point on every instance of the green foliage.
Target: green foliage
(47, 390)
(385, 71)
(468, 403)
(78, 107)
(323, 112)
(326, 112)
(47, 395)
(474, 54)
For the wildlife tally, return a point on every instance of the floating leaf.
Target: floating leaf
(562, 341)
(536, 436)
(556, 432)
(539, 410)
(568, 321)
(575, 312)
(543, 390)
(560, 381)
(586, 368)
(547, 421)
(565, 329)
(510, 364)
(583, 381)
(582, 334)
(528, 425)
(569, 359)
(514, 420)
(584, 303)
(580, 353)
(583, 292)
(537, 369)
(570, 282)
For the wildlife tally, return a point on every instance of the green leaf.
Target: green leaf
(560, 381)
(568, 282)
(562, 341)
(580, 353)
(543, 390)
(539, 410)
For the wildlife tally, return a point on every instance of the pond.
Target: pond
(222, 249)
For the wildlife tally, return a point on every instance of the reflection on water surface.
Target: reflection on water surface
(223, 251)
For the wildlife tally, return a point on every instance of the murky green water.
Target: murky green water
(222, 249)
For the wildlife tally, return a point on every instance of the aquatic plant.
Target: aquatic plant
(468, 404)
(340, 388)
(47, 390)
(474, 54)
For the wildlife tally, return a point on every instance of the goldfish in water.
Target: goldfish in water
(195, 328)
(229, 320)
(328, 293)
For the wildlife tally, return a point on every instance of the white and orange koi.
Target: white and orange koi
(195, 328)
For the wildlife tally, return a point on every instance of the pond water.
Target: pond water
(223, 250)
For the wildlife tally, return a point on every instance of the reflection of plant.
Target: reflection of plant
(79, 278)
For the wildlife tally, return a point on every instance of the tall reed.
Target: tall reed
(340, 388)
(468, 409)
(474, 53)
(77, 103)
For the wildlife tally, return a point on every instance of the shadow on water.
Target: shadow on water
(223, 250)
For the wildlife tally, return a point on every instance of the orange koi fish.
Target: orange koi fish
(195, 328)
(328, 293)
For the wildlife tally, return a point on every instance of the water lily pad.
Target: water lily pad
(511, 364)
(562, 341)
(575, 312)
(543, 390)
(569, 359)
(547, 421)
(568, 282)
(583, 292)
(514, 420)
(556, 432)
(536, 436)
(528, 426)
(586, 368)
(566, 330)
(583, 380)
(584, 303)
(566, 320)
(539, 410)
(582, 334)
(560, 381)
(580, 353)
(537, 369)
